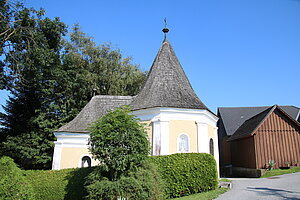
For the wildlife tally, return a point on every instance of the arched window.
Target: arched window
(86, 161)
(183, 144)
(211, 146)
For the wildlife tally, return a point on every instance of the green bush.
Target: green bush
(58, 184)
(188, 173)
(13, 184)
(119, 142)
(141, 183)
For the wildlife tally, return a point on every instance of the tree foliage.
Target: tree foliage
(142, 183)
(50, 79)
(31, 54)
(119, 142)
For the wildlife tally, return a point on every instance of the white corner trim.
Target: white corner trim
(297, 118)
(56, 157)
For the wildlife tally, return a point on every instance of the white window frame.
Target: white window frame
(188, 142)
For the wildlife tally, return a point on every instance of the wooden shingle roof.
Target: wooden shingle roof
(97, 107)
(167, 84)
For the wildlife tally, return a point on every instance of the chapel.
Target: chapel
(177, 121)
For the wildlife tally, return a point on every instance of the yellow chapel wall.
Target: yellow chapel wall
(148, 127)
(211, 133)
(178, 127)
(71, 157)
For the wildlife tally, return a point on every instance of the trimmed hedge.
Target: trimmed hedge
(187, 173)
(182, 174)
(142, 183)
(13, 184)
(59, 185)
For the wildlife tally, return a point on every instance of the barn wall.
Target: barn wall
(243, 153)
(226, 151)
(277, 139)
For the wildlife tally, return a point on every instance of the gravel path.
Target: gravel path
(278, 187)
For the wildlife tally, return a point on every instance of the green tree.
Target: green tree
(51, 79)
(30, 55)
(119, 142)
(104, 67)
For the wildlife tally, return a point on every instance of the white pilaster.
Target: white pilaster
(203, 141)
(165, 139)
(160, 143)
(216, 149)
(156, 141)
(56, 156)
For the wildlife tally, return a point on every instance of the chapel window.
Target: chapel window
(183, 144)
(86, 161)
(211, 146)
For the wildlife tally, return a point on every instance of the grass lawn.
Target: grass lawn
(224, 180)
(205, 195)
(276, 172)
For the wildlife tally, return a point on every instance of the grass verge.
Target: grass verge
(277, 172)
(212, 194)
(224, 180)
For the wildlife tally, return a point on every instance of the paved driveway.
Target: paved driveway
(278, 187)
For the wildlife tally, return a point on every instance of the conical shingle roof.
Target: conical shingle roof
(167, 84)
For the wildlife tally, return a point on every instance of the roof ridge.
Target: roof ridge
(239, 133)
(246, 107)
(271, 108)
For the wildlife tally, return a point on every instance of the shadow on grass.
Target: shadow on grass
(75, 189)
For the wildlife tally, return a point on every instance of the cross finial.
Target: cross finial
(165, 29)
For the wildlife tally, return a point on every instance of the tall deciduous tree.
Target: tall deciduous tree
(50, 80)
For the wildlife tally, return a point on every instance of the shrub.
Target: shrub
(141, 183)
(13, 184)
(119, 142)
(188, 173)
(58, 184)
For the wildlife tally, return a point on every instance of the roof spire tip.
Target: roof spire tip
(165, 29)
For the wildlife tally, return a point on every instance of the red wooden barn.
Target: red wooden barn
(251, 136)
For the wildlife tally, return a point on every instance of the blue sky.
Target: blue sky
(234, 52)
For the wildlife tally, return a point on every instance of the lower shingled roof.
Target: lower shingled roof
(97, 107)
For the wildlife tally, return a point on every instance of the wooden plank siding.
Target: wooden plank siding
(277, 139)
(226, 151)
(243, 153)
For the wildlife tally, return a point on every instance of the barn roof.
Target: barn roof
(97, 107)
(234, 117)
(248, 127)
(167, 85)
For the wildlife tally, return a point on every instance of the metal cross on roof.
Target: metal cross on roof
(165, 29)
